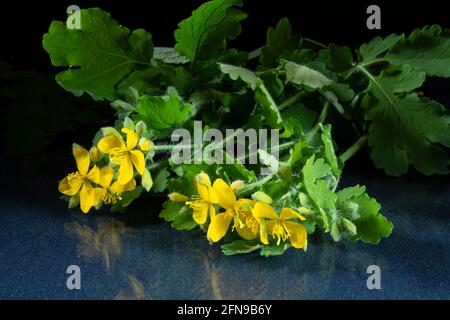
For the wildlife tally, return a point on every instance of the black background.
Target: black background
(22, 25)
(342, 22)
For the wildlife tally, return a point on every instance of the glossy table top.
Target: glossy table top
(136, 255)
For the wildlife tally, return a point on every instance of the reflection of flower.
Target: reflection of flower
(103, 242)
(79, 183)
(280, 227)
(124, 154)
(236, 210)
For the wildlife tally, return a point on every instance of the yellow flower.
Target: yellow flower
(237, 210)
(204, 201)
(124, 155)
(110, 193)
(79, 182)
(280, 227)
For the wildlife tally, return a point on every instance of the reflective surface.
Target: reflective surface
(136, 256)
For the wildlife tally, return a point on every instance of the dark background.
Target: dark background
(22, 24)
(35, 249)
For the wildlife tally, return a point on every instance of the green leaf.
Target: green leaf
(318, 188)
(330, 155)
(403, 78)
(371, 226)
(268, 105)
(406, 129)
(274, 250)
(160, 180)
(162, 113)
(349, 193)
(427, 49)
(372, 50)
(244, 74)
(178, 214)
(126, 199)
(169, 55)
(278, 41)
(338, 58)
(204, 34)
(303, 75)
(239, 247)
(99, 55)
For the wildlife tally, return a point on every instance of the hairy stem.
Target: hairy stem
(286, 103)
(323, 115)
(353, 149)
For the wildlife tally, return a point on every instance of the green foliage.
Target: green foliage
(104, 51)
(204, 34)
(160, 114)
(426, 49)
(312, 93)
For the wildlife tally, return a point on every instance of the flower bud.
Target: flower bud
(203, 179)
(146, 144)
(262, 197)
(95, 154)
(236, 185)
(177, 197)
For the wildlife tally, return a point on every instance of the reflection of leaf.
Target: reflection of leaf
(102, 243)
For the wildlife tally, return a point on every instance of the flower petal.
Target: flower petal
(82, 159)
(297, 234)
(245, 232)
(207, 193)
(71, 188)
(263, 233)
(212, 211)
(94, 174)
(106, 176)
(132, 138)
(219, 227)
(263, 211)
(110, 142)
(88, 197)
(125, 170)
(200, 214)
(288, 213)
(225, 195)
(118, 188)
(138, 159)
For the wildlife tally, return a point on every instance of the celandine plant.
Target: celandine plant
(296, 87)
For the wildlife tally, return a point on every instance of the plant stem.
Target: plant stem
(253, 185)
(323, 115)
(317, 43)
(360, 66)
(279, 147)
(286, 103)
(168, 147)
(353, 149)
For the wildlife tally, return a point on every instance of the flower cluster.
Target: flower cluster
(249, 218)
(92, 185)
